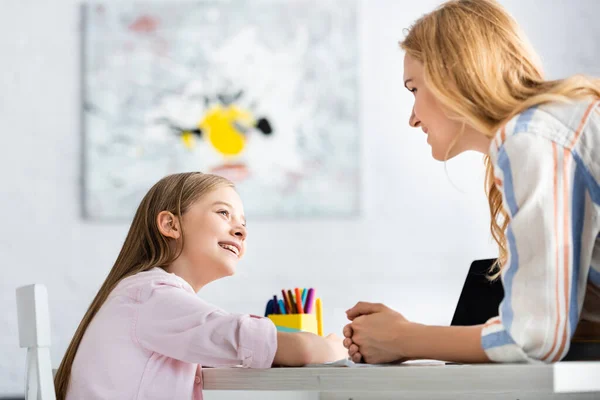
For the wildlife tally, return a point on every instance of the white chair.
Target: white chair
(34, 334)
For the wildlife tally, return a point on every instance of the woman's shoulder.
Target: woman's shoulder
(560, 122)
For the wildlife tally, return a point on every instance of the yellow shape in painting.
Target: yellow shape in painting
(188, 139)
(220, 125)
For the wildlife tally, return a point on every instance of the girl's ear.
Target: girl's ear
(168, 225)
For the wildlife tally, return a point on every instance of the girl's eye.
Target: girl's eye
(223, 212)
(413, 90)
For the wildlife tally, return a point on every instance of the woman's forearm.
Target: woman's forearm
(447, 343)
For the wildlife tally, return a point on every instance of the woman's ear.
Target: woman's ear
(168, 225)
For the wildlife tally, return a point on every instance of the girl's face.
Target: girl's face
(429, 114)
(214, 238)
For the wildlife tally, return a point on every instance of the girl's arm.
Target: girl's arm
(180, 325)
(298, 349)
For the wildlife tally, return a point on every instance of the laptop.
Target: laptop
(480, 298)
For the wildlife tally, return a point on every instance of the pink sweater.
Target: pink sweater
(153, 334)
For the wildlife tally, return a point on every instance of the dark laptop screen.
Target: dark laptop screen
(479, 298)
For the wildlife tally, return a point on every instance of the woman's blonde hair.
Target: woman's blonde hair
(480, 66)
(144, 247)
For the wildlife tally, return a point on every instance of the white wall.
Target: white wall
(410, 249)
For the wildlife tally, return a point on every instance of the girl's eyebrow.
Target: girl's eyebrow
(222, 203)
(406, 81)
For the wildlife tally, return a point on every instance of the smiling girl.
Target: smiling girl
(147, 334)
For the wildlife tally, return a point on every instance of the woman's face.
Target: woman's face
(429, 114)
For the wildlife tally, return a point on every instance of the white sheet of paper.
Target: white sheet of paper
(346, 362)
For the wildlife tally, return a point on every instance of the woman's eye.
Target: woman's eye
(223, 212)
(413, 90)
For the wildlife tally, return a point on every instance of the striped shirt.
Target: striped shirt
(547, 166)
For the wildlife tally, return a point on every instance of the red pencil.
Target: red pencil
(286, 302)
(292, 302)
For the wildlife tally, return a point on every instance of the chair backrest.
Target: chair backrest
(34, 334)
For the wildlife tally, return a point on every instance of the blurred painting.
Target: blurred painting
(262, 92)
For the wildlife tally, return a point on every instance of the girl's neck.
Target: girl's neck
(180, 269)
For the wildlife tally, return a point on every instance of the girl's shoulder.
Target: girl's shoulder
(141, 285)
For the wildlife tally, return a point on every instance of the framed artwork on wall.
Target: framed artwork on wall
(263, 92)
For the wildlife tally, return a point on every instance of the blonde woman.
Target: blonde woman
(478, 85)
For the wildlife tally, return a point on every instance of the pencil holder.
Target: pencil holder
(295, 322)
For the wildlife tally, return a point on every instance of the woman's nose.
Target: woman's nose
(414, 121)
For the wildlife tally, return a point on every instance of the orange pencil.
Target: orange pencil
(299, 301)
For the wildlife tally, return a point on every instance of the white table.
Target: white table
(566, 380)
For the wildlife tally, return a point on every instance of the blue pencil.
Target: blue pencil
(281, 307)
(269, 309)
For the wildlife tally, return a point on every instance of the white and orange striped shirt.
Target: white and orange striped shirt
(547, 166)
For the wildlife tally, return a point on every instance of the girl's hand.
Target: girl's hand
(376, 334)
(336, 347)
(295, 349)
